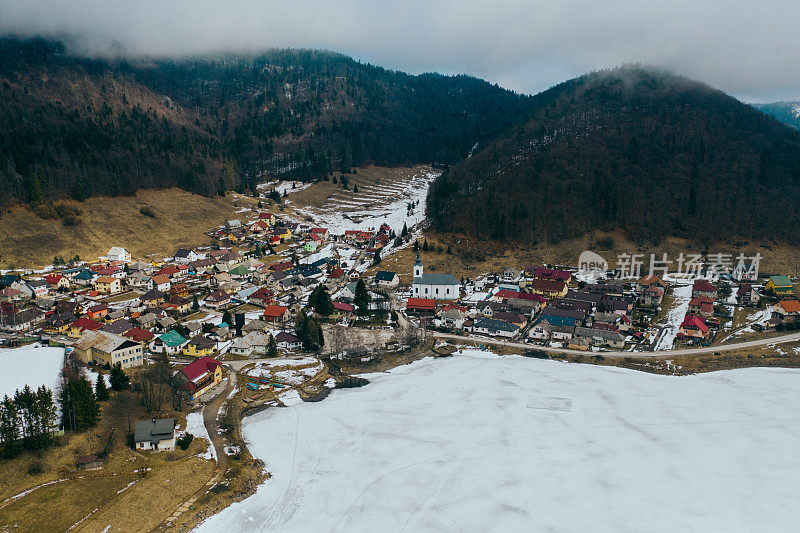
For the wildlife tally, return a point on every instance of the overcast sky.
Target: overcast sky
(749, 49)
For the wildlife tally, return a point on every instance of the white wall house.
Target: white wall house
(118, 253)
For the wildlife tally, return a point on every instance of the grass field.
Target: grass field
(181, 218)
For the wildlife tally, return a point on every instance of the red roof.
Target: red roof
(421, 304)
(695, 321)
(274, 311)
(505, 294)
(791, 306)
(86, 323)
(263, 294)
(280, 267)
(168, 271)
(336, 273)
(53, 279)
(201, 366)
(341, 306)
(551, 274)
(139, 334)
(703, 285)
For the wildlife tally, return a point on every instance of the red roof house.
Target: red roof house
(424, 305)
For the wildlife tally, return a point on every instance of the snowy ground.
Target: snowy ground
(29, 366)
(682, 294)
(479, 443)
(196, 426)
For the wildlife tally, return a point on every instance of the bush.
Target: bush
(71, 220)
(148, 211)
(185, 441)
(36, 468)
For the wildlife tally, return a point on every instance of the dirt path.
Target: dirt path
(210, 415)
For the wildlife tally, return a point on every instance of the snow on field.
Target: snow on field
(34, 366)
(349, 213)
(682, 295)
(196, 426)
(479, 443)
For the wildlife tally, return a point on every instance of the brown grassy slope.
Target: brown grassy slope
(471, 257)
(181, 218)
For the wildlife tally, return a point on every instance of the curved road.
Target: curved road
(665, 353)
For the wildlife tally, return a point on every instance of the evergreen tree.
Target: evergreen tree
(416, 246)
(377, 257)
(362, 298)
(100, 390)
(272, 347)
(79, 409)
(195, 303)
(238, 323)
(404, 232)
(425, 245)
(320, 301)
(119, 380)
(226, 317)
(9, 428)
(355, 188)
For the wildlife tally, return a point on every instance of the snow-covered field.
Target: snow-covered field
(480, 443)
(29, 366)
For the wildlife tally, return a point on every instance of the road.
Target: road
(665, 353)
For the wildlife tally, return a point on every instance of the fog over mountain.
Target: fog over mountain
(746, 49)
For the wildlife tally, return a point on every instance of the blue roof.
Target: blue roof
(384, 275)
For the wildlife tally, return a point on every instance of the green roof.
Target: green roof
(781, 281)
(240, 270)
(172, 338)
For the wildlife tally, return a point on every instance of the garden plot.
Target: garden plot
(481, 443)
(374, 205)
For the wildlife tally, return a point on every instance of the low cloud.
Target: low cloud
(747, 49)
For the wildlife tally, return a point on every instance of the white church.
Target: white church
(436, 286)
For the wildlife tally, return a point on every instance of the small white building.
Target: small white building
(118, 253)
(156, 435)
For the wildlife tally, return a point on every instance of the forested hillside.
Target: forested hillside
(77, 127)
(646, 151)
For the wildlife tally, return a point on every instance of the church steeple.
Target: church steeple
(418, 266)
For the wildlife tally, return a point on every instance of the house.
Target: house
(651, 296)
(217, 300)
(343, 310)
(437, 286)
(77, 328)
(650, 281)
(747, 295)
(254, 341)
(387, 279)
(262, 296)
(152, 298)
(160, 282)
(199, 376)
(548, 288)
(107, 285)
(108, 349)
(97, 312)
(600, 337)
(780, 285)
(421, 306)
(275, 313)
(579, 343)
(511, 275)
(561, 333)
(694, 326)
(117, 327)
(39, 287)
(287, 341)
(787, 310)
(453, 317)
(495, 328)
(563, 317)
(142, 336)
(170, 343)
(57, 281)
(84, 277)
(541, 330)
(154, 435)
(89, 462)
(118, 253)
(199, 346)
(185, 256)
(701, 306)
(702, 287)
(179, 290)
(11, 295)
(15, 321)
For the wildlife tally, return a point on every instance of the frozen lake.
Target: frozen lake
(481, 443)
(34, 366)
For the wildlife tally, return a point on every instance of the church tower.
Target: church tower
(418, 267)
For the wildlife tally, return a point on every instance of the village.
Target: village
(277, 305)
